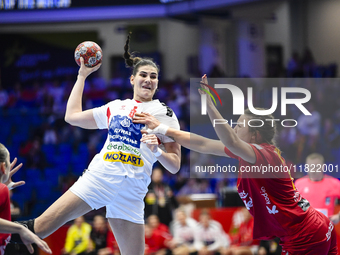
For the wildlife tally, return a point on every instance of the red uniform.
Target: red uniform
(278, 208)
(5, 213)
(321, 194)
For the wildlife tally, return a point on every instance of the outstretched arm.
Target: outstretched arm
(26, 236)
(186, 139)
(226, 134)
(74, 113)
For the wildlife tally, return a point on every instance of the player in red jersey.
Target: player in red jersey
(6, 226)
(274, 202)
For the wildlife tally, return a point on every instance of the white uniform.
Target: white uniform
(119, 175)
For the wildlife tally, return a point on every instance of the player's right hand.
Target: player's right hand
(85, 71)
(28, 238)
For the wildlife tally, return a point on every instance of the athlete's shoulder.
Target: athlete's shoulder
(3, 188)
(162, 108)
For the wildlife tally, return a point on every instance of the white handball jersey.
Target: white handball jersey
(123, 152)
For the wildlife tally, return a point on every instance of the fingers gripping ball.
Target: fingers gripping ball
(90, 52)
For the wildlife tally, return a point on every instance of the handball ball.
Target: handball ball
(90, 52)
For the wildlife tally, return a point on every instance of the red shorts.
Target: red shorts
(317, 237)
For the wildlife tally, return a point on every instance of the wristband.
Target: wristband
(161, 129)
(10, 185)
(158, 152)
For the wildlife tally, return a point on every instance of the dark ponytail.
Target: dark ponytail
(136, 62)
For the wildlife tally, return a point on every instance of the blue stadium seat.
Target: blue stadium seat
(52, 175)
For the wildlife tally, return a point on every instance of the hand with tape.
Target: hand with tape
(153, 125)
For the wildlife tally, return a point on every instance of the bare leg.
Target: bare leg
(129, 236)
(66, 208)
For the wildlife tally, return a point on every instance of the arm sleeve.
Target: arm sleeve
(102, 114)
(168, 118)
(4, 195)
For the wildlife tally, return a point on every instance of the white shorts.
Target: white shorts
(122, 196)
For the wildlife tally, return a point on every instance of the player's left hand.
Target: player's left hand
(151, 142)
(146, 118)
(13, 171)
(203, 84)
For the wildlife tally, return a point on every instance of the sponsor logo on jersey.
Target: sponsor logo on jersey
(265, 195)
(243, 195)
(125, 123)
(329, 233)
(123, 147)
(328, 200)
(124, 158)
(273, 210)
(122, 129)
(249, 203)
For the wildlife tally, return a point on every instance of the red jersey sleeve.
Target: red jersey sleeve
(5, 213)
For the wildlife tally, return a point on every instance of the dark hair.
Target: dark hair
(268, 130)
(3, 154)
(136, 62)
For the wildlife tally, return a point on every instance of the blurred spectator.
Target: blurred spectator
(160, 199)
(56, 91)
(183, 230)
(294, 67)
(98, 236)
(321, 190)
(111, 244)
(310, 125)
(162, 229)
(35, 158)
(308, 63)
(50, 135)
(77, 238)
(270, 247)
(242, 242)
(154, 242)
(210, 239)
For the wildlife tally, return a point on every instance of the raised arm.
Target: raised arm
(227, 135)
(74, 113)
(186, 139)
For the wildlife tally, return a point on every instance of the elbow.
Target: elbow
(175, 169)
(233, 143)
(69, 120)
